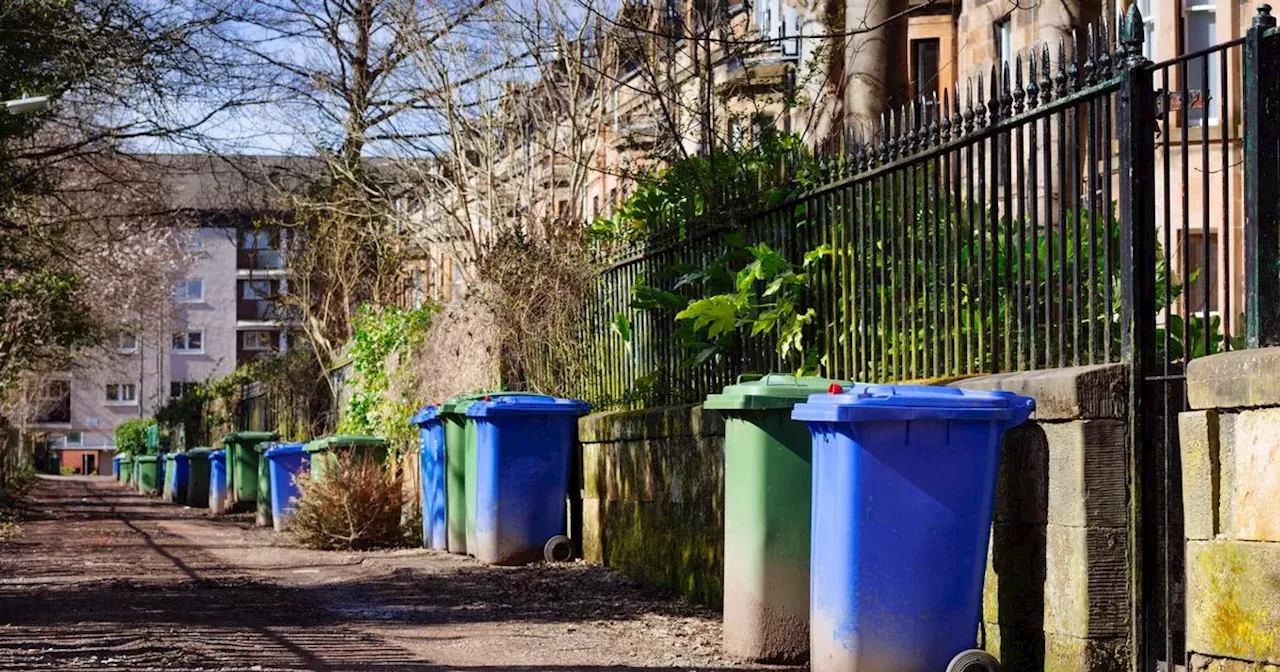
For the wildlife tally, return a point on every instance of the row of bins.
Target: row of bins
(495, 475)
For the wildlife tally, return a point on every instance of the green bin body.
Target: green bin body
(242, 467)
(148, 474)
(460, 452)
(198, 477)
(124, 472)
(170, 469)
(321, 452)
(767, 503)
(262, 516)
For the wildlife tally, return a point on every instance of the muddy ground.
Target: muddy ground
(102, 578)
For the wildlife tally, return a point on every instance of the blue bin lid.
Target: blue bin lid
(178, 457)
(878, 403)
(424, 415)
(526, 404)
(284, 449)
(218, 455)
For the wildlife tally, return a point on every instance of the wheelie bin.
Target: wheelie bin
(457, 439)
(284, 461)
(322, 452)
(117, 464)
(149, 475)
(176, 475)
(767, 472)
(263, 514)
(431, 465)
(218, 482)
(523, 446)
(198, 477)
(242, 467)
(903, 490)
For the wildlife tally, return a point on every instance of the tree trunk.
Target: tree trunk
(875, 57)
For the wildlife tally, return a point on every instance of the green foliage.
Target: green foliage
(383, 338)
(131, 436)
(43, 313)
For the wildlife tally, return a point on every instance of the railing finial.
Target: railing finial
(1132, 35)
(1263, 18)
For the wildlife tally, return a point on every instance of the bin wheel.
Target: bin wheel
(974, 660)
(558, 549)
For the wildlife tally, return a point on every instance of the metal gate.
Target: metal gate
(1198, 197)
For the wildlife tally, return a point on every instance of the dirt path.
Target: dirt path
(102, 578)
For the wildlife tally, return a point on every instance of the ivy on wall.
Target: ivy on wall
(384, 337)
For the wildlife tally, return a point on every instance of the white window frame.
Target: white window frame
(182, 295)
(1149, 10)
(126, 349)
(1210, 97)
(121, 398)
(244, 340)
(185, 337)
(1004, 42)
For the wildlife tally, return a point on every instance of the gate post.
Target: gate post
(1261, 182)
(1135, 130)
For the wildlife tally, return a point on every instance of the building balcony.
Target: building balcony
(263, 311)
(261, 263)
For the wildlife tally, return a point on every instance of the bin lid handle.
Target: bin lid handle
(749, 377)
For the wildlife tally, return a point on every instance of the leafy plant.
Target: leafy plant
(131, 435)
(383, 337)
(356, 507)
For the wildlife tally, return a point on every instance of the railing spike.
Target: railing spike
(1060, 77)
(1073, 71)
(934, 127)
(1132, 35)
(1046, 83)
(957, 115)
(1090, 54)
(1104, 55)
(993, 103)
(883, 136)
(1019, 95)
(968, 114)
(946, 115)
(1033, 90)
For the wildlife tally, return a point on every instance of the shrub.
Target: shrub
(356, 507)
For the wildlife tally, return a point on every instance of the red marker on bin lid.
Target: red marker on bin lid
(835, 389)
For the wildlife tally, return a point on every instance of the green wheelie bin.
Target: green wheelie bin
(148, 474)
(124, 470)
(262, 515)
(767, 486)
(242, 467)
(322, 451)
(459, 444)
(198, 477)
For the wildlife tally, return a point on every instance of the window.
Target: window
(256, 340)
(1200, 24)
(255, 240)
(256, 289)
(74, 438)
(418, 296)
(1203, 276)
(1004, 42)
(925, 57)
(188, 341)
(190, 291)
(126, 342)
(193, 241)
(122, 393)
(179, 389)
(458, 284)
(1148, 9)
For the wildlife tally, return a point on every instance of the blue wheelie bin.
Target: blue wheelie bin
(177, 486)
(284, 462)
(523, 449)
(431, 463)
(218, 481)
(903, 490)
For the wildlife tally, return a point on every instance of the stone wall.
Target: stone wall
(1056, 592)
(1231, 506)
(653, 497)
